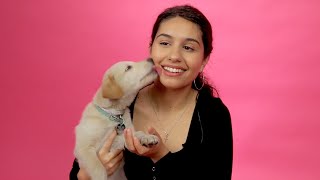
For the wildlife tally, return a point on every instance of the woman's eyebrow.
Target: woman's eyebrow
(187, 39)
(194, 40)
(165, 35)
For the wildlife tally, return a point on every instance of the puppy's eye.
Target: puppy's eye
(128, 68)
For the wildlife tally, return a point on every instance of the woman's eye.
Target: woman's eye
(164, 43)
(128, 68)
(188, 48)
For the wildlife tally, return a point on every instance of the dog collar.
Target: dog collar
(116, 118)
(113, 111)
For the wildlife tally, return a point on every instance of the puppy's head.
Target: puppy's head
(123, 80)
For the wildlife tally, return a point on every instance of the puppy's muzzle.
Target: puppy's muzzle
(150, 60)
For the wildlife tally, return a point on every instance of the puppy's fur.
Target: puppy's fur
(120, 85)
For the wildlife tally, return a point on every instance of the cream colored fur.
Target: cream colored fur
(120, 85)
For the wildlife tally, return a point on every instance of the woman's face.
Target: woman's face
(178, 52)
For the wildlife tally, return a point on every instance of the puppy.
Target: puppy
(109, 110)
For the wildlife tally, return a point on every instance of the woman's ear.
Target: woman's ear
(204, 63)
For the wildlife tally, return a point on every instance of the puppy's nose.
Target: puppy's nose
(150, 60)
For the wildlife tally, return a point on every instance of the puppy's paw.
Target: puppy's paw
(147, 139)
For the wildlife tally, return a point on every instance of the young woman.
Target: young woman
(181, 108)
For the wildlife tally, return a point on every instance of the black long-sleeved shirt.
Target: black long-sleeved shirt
(206, 154)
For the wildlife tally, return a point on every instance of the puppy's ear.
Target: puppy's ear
(111, 89)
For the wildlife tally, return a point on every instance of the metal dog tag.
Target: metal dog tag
(119, 128)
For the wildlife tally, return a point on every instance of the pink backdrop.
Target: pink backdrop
(265, 64)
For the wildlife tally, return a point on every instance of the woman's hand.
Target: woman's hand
(110, 160)
(155, 152)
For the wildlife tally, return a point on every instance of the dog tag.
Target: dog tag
(120, 127)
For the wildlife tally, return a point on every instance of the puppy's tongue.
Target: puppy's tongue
(158, 69)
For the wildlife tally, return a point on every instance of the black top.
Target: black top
(207, 153)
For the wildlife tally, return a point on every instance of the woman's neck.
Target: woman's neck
(170, 99)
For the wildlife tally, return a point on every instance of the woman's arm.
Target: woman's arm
(110, 160)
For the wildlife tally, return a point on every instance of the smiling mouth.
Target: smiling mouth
(173, 70)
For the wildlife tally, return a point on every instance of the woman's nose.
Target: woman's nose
(174, 54)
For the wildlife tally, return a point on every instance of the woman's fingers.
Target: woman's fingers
(114, 163)
(110, 159)
(107, 158)
(107, 145)
(153, 131)
(132, 143)
(129, 140)
(140, 149)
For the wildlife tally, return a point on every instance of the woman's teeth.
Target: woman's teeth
(173, 70)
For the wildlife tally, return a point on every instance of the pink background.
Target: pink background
(265, 64)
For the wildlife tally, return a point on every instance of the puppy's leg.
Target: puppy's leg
(146, 139)
(90, 161)
(87, 146)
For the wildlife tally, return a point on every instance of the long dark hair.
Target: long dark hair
(194, 15)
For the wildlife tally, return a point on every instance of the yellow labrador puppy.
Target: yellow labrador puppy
(109, 110)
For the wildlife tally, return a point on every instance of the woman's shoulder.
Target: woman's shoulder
(211, 103)
(209, 98)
